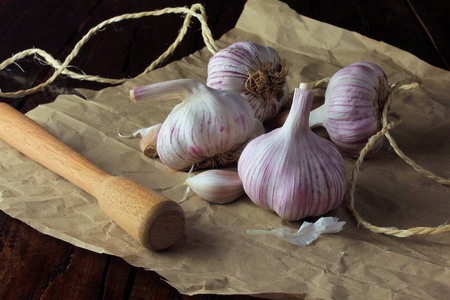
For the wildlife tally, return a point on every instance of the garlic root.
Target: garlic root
(255, 72)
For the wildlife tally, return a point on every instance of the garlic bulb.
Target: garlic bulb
(254, 71)
(206, 129)
(291, 170)
(149, 137)
(351, 114)
(217, 186)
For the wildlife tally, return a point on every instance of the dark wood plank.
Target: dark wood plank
(391, 21)
(35, 24)
(223, 15)
(31, 262)
(103, 55)
(152, 39)
(149, 286)
(434, 18)
(119, 279)
(81, 279)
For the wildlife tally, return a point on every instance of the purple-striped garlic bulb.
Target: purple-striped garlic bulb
(351, 114)
(291, 170)
(254, 71)
(205, 130)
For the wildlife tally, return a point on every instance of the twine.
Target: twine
(319, 82)
(387, 126)
(62, 68)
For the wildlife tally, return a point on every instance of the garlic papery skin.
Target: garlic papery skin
(217, 186)
(254, 71)
(148, 139)
(205, 130)
(351, 114)
(291, 170)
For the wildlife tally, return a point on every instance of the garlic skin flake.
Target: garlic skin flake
(254, 71)
(351, 114)
(206, 129)
(307, 233)
(291, 170)
(217, 186)
(149, 138)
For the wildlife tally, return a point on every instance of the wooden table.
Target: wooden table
(37, 266)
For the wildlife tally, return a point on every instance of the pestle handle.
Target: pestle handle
(154, 221)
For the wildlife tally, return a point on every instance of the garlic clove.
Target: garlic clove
(290, 169)
(217, 186)
(256, 72)
(148, 139)
(206, 129)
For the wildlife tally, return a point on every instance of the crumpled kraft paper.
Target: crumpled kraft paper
(216, 255)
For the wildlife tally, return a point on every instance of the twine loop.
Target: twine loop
(196, 10)
(387, 126)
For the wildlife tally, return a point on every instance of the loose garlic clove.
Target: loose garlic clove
(206, 129)
(291, 170)
(256, 72)
(351, 114)
(148, 142)
(217, 186)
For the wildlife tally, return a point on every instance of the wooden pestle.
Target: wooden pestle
(154, 221)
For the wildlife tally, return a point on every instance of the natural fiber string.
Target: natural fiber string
(319, 82)
(385, 131)
(406, 85)
(62, 68)
(399, 152)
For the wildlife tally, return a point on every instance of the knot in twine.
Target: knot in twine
(196, 10)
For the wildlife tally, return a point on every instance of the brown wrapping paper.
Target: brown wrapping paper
(215, 255)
